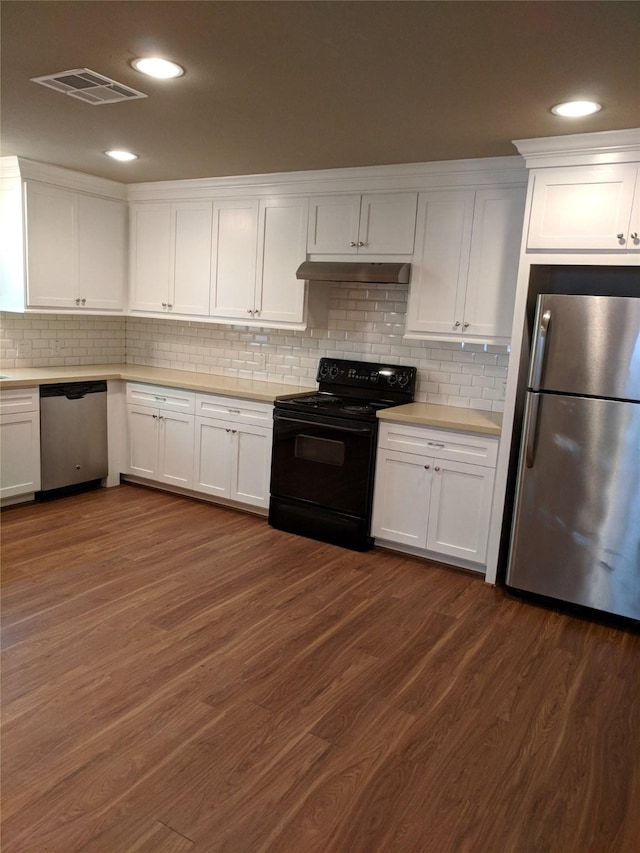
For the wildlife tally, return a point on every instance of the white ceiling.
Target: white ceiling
(282, 86)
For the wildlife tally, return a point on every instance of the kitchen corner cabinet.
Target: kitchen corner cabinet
(75, 250)
(372, 224)
(257, 247)
(465, 267)
(160, 434)
(19, 442)
(585, 207)
(232, 457)
(170, 257)
(433, 492)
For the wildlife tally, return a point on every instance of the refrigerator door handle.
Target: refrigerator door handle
(540, 343)
(531, 428)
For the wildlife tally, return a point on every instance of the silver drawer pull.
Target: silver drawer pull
(435, 444)
(234, 411)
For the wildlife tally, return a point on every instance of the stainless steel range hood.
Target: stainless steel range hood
(389, 273)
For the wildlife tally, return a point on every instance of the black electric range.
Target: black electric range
(324, 447)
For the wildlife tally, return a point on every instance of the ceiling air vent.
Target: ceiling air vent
(88, 86)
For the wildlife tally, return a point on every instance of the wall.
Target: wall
(364, 322)
(50, 340)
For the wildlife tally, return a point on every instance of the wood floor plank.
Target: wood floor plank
(180, 677)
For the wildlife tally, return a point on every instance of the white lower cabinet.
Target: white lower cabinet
(232, 457)
(161, 430)
(429, 496)
(19, 442)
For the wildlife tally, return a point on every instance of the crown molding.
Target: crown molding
(14, 167)
(609, 146)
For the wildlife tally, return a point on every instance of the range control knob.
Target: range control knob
(403, 379)
(392, 379)
(333, 371)
(324, 369)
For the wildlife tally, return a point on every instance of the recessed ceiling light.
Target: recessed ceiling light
(156, 67)
(575, 109)
(121, 155)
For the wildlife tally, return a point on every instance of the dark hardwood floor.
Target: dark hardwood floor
(181, 677)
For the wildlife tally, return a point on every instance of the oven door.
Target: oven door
(325, 461)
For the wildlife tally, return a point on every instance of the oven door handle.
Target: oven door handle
(345, 426)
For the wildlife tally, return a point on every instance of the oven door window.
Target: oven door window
(325, 464)
(314, 448)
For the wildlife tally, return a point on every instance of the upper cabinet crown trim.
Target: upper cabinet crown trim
(391, 178)
(581, 149)
(20, 167)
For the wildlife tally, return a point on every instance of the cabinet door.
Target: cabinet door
(282, 230)
(493, 262)
(250, 475)
(401, 498)
(582, 207)
(143, 441)
(52, 251)
(634, 227)
(101, 253)
(233, 258)
(387, 224)
(175, 457)
(460, 510)
(150, 249)
(439, 278)
(212, 458)
(191, 258)
(19, 453)
(333, 224)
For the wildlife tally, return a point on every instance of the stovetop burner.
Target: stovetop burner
(356, 390)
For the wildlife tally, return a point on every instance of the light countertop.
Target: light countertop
(228, 386)
(445, 417)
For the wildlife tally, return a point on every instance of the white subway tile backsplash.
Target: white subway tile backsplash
(364, 322)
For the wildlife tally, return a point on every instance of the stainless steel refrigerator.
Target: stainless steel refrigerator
(576, 527)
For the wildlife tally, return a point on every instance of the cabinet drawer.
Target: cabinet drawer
(19, 400)
(231, 409)
(169, 399)
(443, 444)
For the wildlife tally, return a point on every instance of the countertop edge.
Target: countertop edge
(207, 383)
(445, 417)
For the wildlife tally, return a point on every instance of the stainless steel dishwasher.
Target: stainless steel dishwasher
(73, 433)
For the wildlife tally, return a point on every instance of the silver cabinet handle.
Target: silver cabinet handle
(360, 243)
(83, 301)
(155, 417)
(634, 236)
(435, 444)
(234, 411)
(620, 238)
(164, 304)
(169, 305)
(436, 468)
(234, 431)
(457, 323)
(249, 311)
(426, 467)
(228, 430)
(465, 325)
(353, 244)
(77, 300)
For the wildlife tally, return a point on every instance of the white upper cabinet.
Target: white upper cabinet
(465, 266)
(233, 264)
(282, 230)
(372, 224)
(76, 246)
(102, 256)
(257, 247)
(170, 249)
(585, 207)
